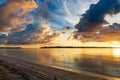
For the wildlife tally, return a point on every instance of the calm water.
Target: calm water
(97, 60)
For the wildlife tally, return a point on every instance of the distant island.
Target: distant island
(76, 47)
(10, 48)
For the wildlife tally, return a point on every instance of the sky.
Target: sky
(55, 21)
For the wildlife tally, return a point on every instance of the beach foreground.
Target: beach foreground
(14, 69)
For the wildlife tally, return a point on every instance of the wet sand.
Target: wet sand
(15, 69)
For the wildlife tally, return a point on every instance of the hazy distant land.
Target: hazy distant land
(10, 47)
(77, 47)
(60, 47)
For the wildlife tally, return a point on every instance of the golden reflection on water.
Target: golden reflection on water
(116, 52)
(65, 54)
(99, 60)
(68, 54)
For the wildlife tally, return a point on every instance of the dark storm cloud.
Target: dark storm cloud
(93, 19)
(109, 33)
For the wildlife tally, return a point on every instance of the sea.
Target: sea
(105, 61)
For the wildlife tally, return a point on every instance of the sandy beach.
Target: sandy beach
(15, 69)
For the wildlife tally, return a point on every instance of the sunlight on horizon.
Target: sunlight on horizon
(115, 42)
(72, 43)
(116, 52)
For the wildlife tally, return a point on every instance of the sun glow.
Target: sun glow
(63, 40)
(116, 52)
(115, 42)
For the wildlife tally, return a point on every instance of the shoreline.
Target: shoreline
(60, 47)
(31, 71)
(76, 47)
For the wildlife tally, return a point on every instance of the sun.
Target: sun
(116, 52)
(115, 42)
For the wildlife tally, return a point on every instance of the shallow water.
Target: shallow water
(97, 60)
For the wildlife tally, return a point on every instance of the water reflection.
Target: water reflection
(116, 52)
(98, 60)
(98, 65)
(103, 61)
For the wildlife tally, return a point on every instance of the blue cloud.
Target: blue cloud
(94, 18)
(57, 13)
(65, 12)
(2, 1)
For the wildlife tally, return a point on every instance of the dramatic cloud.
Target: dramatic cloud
(109, 33)
(3, 39)
(33, 34)
(59, 12)
(41, 12)
(74, 8)
(94, 18)
(14, 13)
(30, 21)
(67, 12)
